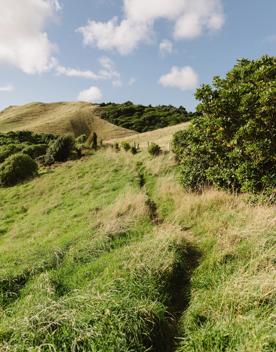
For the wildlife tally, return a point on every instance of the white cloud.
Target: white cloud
(123, 36)
(23, 40)
(184, 78)
(8, 88)
(190, 19)
(91, 95)
(166, 47)
(73, 72)
(107, 72)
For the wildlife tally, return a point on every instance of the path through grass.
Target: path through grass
(86, 265)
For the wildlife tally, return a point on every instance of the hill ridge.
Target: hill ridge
(60, 118)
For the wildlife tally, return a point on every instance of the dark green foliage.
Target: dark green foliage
(134, 150)
(8, 150)
(126, 146)
(142, 118)
(94, 142)
(26, 137)
(60, 149)
(154, 149)
(141, 177)
(233, 145)
(17, 168)
(33, 144)
(36, 150)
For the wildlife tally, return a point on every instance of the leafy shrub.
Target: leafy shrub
(28, 137)
(60, 149)
(154, 149)
(17, 168)
(134, 150)
(30, 143)
(126, 146)
(8, 150)
(233, 144)
(35, 150)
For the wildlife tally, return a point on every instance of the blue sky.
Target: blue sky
(147, 51)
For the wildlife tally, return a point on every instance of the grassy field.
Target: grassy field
(162, 137)
(109, 253)
(59, 118)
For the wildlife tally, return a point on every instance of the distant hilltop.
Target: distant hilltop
(60, 118)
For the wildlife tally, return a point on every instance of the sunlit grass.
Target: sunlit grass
(83, 266)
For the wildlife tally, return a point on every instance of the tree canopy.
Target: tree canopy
(143, 118)
(233, 143)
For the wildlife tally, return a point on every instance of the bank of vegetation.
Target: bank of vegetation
(141, 118)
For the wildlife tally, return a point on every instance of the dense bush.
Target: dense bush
(35, 150)
(17, 168)
(60, 149)
(134, 149)
(8, 150)
(25, 137)
(142, 118)
(126, 146)
(30, 143)
(154, 149)
(233, 144)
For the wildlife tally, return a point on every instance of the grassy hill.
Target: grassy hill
(93, 260)
(59, 118)
(163, 136)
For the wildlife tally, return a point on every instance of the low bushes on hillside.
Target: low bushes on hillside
(27, 137)
(30, 143)
(126, 146)
(17, 168)
(36, 150)
(60, 149)
(233, 144)
(8, 150)
(154, 149)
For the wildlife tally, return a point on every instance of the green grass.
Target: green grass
(82, 266)
(85, 266)
(233, 294)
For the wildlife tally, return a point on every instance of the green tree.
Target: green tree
(232, 143)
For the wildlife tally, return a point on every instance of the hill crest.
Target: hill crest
(60, 118)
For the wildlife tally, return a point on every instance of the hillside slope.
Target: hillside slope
(92, 260)
(59, 118)
(162, 136)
